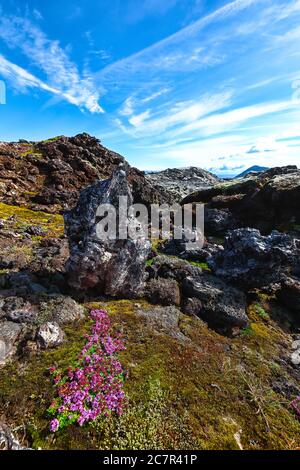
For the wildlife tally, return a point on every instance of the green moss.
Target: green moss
(203, 266)
(149, 262)
(53, 139)
(261, 312)
(192, 394)
(52, 224)
(246, 332)
(33, 153)
(4, 271)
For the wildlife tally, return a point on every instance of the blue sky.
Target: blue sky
(167, 83)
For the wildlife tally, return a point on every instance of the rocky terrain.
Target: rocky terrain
(212, 336)
(181, 182)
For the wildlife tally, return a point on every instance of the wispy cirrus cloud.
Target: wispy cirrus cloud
(179, 116)
(179, 52)
(50, 60)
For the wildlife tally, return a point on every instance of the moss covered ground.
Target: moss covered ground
(208, 392)
(205, 391)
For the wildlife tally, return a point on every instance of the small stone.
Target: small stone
(9, 335)
(50, 335)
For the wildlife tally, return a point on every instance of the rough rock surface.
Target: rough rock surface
(221, 304)
(164, 319)
(218, 221)
(49, 175)
(63, 310)
(9, 335)
(266, 201)
(163, 291)
(252, 260)
(8, 441)
(202, 294)
(50, 335)
(181, 182)
(172, 268)
(289, 293)
(114, 267)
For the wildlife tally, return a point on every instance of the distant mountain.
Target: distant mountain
(252, 169)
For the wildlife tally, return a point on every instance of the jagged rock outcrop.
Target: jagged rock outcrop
(267, 201)
(252, 260)
(49, 175)
(221, 305)
(113, 267)
(163, 292)
(182, 181)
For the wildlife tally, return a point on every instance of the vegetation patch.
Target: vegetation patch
(52, 224)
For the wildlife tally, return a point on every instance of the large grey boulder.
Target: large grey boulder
(163, 291)
(113, 267)
(62, 310)
(220, 304)
(252, 260)
(172, 268)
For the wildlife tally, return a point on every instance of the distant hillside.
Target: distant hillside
(252, 169)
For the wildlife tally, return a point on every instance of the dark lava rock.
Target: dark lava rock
(267, 201)
(221, 305)
(289, 294)
(49, 175)
(252, 260)
(181, 182)
(114, 267)
(192, 306)
(163, 291)
(219, 221)
(172, 268)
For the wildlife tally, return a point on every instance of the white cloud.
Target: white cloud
(181, 114)
(21, 79)
(37, 14)
(53, 61)
(128, 107)
(139, 119)
(224, 122)
(179, 52)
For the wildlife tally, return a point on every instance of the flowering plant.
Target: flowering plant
(94, 385)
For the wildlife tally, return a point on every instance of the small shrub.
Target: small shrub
(261, 312)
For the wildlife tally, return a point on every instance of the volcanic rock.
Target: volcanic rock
(181, 182)
(252, 260)
(221, 305)
(114, 267)
(50, 335)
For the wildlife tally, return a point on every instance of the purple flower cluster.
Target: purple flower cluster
(93, 386)
(296, 406)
